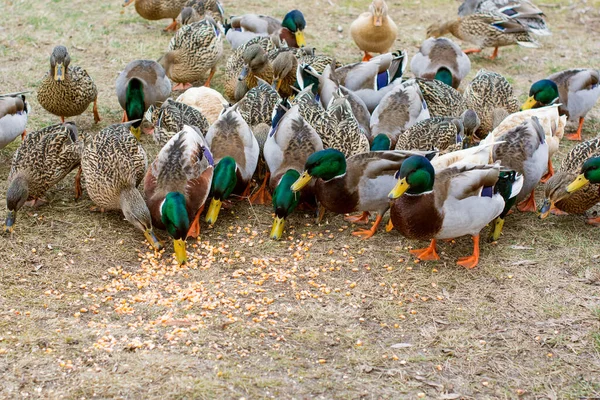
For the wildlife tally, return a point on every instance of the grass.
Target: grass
(88, 311)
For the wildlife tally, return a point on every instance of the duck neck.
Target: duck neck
(17, 193)
(134, 101)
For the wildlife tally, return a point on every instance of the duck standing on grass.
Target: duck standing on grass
(374, 31)
(158, 9)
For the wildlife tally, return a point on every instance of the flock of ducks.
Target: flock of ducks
(342, 138)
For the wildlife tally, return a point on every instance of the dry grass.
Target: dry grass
(87, 311)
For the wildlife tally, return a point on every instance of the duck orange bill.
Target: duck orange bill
(398, 190)
(152, 239)
(301, 182)
(277, 230)
(546, 207)
(59, 72)
(377, 20)
(529, 103)
(213, 211)
(300, 39)
(578, 183)
(127, 2)
(180, 253)
(10, 221)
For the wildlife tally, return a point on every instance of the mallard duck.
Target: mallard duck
(487, 93)
(358, 183)
(195, 10)
(67, 91)
(14, 111)
(589, 175)
(577, 90)
(453, 202)
(42, 160)
(290, 29)
(171, 117)
(141, 84)
(398, 110)
(177, 186)
(291, 141)
(258, 103)
(486, 30)
(256, 65)
(523, 10)
(349, 137)
(114, 164)
(318, 61)
(442, 100)
(195, 49)
(235, 150)
(560, 190)
(207, 101)
(441, 133)
(158, 9)
(284, 73)
(375, 74)
(374, 31)
(441, 59)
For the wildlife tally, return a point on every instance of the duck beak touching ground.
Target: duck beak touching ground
(213, 211)
(300, 39)
(301, 182)
(59, 72)
(578, 183)
(277, 230)
(152, 239)
(498, 225)
(398, 190)
(10, 221)
(137, 132)
(546, 207)
(180, 253)
(377, 20)
(529, 103)
(244, 73)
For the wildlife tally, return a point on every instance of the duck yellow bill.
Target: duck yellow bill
(277, 230)
(498, 225)
(530, 103)
(10, 221)
(276, 84)
(180, 253)
(377, 20)
(301, 182)
(398, 190)
(59, 72)
(578, 183)
(213, 211)
(137, 132)
(546, 207)
(300, 39)
(152, 239)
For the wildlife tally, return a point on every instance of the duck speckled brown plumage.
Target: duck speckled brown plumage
(195, 10)
(171, 117)
(257, 105)
(158, 9)
(442, 100)
(195, 49)
(42, 160)
(114, 164)
(67, 91)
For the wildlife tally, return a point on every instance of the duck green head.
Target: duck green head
(134, 105)
(294, 21)
(542, 93)
(504, 186)
(285, 202)
(590, 173)
(223, 183)
(174, 216)
(325, 164)
(444, 75)
(381, 142)
(416, 176)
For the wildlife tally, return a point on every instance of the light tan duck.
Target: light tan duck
(141, 84)
(67, 91)
(374, 31)
(441, 59)
(158, 9)
(208, 101)
(113, 164)
(195, 49)
(42, 160)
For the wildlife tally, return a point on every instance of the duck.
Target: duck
(195, 49)
(577, 90)
(567, 191)
(442, 100)
(486, 30)
(348, 136)
(196, 10)
(453, 202)
(398, 110)
(141, 84)
(523, 10)
(357, 183)
(442, 59)
(171, 117)
(42, 160)
(256, 65)
(258, 104)
(114, 163)
(290, 142)
(588, 175)
(176, 187)
(235, 151)
(488, 94)
(290, 29)
(14, 112)
(444, 134)
(375, 74)
(67, 91)
(284, 66)
(374, 31)
(209, 102)
(158, 9)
